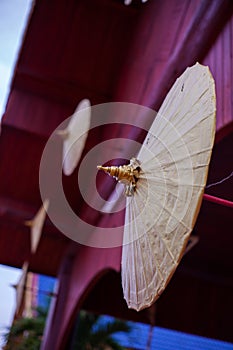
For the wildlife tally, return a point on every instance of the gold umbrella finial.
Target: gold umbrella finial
(125, 174)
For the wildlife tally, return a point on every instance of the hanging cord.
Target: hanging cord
(217, 200)
(221, 181)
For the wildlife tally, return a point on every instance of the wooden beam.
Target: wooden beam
(207, 23)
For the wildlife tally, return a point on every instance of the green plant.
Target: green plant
(26, 333)
(92, 334)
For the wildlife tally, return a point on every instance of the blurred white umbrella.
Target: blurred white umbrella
(36, 225)
(75, 135)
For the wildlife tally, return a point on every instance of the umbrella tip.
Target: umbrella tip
(28, 223)
(100, 167)
(63, 133)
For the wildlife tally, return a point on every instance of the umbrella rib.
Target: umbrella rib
(161, 237)
(157, 265)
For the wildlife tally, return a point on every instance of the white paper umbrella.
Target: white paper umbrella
(75, 135)
(164, 186)
(36, 225)
(20, 287)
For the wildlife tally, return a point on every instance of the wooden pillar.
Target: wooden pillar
(81, 268)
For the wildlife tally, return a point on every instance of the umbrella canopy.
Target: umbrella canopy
(36, 225)
(174, 161)
(75, 136)
(20, 288)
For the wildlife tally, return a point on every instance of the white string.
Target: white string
(221, 181)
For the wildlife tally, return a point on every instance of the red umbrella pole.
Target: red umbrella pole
(217, 200)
